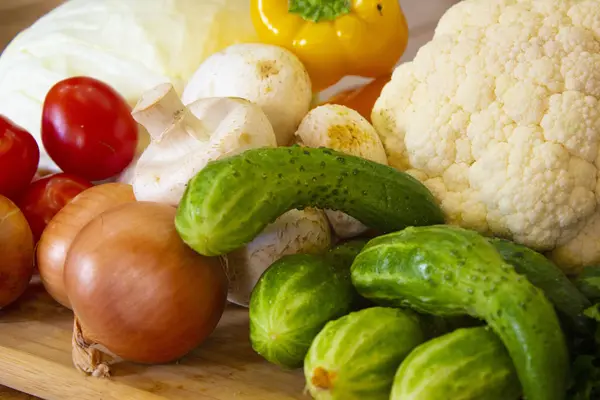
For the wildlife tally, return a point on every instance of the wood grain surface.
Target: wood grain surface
(34, 339)
(11, 394)
(35, 358)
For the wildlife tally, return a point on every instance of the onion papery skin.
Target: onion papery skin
(60, 232)
(16, 252)
(138, 290)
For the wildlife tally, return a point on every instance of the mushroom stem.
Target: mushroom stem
(160, 111)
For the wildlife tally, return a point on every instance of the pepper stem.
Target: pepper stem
(319, 10)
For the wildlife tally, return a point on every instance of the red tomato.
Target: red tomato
(46, 196)
(87, 128)
(19, 158)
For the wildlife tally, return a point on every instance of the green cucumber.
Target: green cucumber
(230, 201)
(588, 283)
(356, 356)
(544, 274)
(467, 364)
(446, 270)
(295, 297)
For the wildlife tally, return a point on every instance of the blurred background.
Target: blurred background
(422, 16)
(16, 15)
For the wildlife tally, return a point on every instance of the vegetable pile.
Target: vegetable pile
(130, 45)
(431, 234)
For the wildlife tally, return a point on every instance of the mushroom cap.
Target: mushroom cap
(343, 129)
(221, 127)
(270, 76)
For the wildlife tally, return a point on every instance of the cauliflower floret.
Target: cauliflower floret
(499, 116)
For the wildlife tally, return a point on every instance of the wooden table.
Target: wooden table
(16, 15)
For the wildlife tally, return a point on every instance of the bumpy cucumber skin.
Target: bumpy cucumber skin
(545, 275)
(356, 356)
(291, 303)
(230, 201)
(467, 364)
(588, 283)
(446, 270)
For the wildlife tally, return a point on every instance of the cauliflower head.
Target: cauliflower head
(499, 116)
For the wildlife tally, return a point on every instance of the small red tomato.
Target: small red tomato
(19, 158)
(87, 128)
(47, 196)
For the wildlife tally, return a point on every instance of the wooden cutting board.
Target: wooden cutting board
(35, 358)
(44, 341)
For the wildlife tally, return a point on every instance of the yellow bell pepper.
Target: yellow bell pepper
(335, 38)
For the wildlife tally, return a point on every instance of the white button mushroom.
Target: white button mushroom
(297, 231)
(186, 138)
(343, 129)
(270, 76)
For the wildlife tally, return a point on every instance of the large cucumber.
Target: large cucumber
(447, 270)
(544, 274)
(467, 364)
(295, 297)
(232, 200)
(356, 356)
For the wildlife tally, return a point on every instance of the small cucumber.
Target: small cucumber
(545, 275)
(467, 364)
(230, 201)
(356, 356)
(295, 297)
(446, 270)
(588, 283)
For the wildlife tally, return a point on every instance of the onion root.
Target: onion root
(91, 358)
